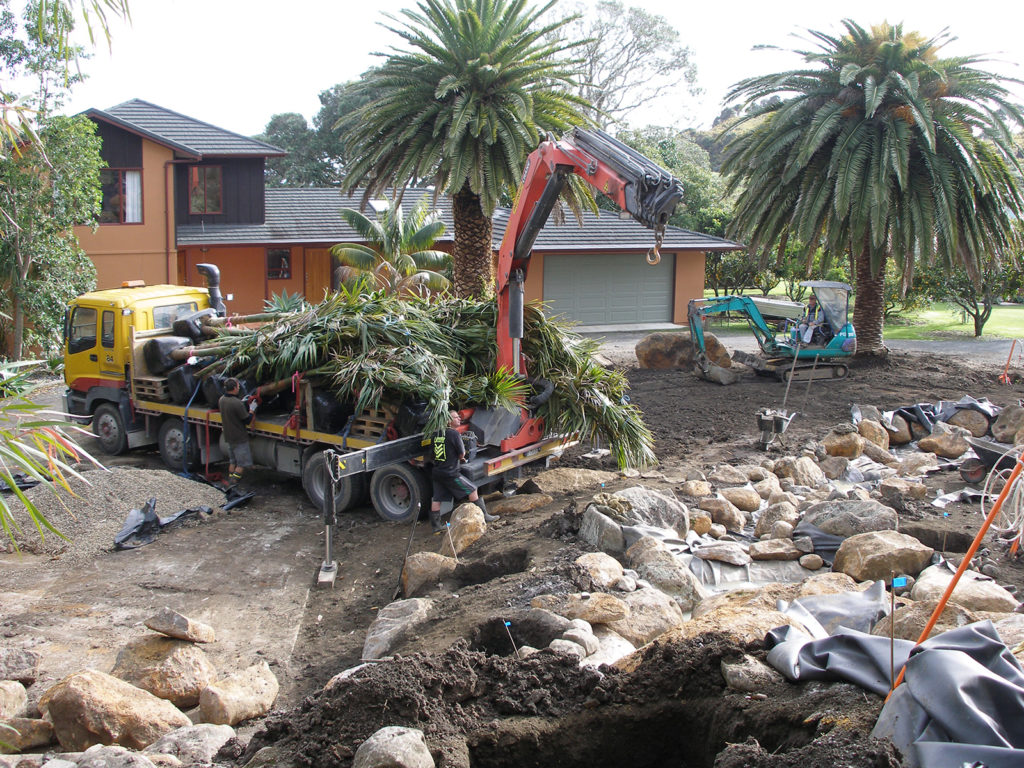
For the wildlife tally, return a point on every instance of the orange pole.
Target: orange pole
(964, 563)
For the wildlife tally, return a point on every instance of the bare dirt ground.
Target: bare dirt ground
(251, 574)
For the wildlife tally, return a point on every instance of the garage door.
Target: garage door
(609, 289)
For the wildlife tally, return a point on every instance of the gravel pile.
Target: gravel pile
(97, 510)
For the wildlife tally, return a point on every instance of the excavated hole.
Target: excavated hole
(490, 567)
(494, 637)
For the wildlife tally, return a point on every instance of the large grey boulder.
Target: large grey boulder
(595, 607)
(877, 555)
(724, 512)
(651, 614)
(92, 707)
(423, 569)
(613, 647)
(391, 625)
(603, 569)
(649, 507)
(946, 440)
(801, 470)
(656, 564)
(848, 518)
(193, 744)
(1008, 424)
(554, 482)
(101, 756)
(724, 551)
(599, 531)
(783, 511)
(175, 670)
(241, 696)
(394, 747)
(19, 664)
(973, 592)
(466, 527)
(908, 621)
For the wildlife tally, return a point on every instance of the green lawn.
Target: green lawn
(944, 321)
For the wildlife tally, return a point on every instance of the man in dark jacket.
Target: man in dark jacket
(236, 418)
(448, 453)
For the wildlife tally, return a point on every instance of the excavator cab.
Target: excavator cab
(834, 300)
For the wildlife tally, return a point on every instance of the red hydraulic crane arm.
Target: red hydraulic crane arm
(646, 191)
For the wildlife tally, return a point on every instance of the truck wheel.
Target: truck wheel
(108, 426)
(399, 491)
(172, 446)
(351, 490)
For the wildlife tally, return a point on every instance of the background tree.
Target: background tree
(881, 149)
(46, 189)
(628, 58)
(305, 164)
(399, 257)
(1000, 279)
(728, 273)
(462, 108)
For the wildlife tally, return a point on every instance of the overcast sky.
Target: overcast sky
(234, 63)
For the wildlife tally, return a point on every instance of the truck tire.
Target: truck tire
(171, 441)
(108, 426)
(351, 490)
(399, 491)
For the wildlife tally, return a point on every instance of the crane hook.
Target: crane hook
(654, 255)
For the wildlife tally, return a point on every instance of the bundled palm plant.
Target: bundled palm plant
(374, 348)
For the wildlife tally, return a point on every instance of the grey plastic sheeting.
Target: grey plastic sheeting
(962, 699)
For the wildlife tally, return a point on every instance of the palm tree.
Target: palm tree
(482, 85)
(882, 150)
(398, 258)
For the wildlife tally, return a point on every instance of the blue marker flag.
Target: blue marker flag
(508, 623)
(899, 581)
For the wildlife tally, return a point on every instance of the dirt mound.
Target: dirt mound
(498, 712)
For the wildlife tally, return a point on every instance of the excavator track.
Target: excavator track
(820, 372)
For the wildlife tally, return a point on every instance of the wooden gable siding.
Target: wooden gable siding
(242, 194)
(120, 148)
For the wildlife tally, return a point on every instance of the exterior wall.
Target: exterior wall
(243, 274)
(534, 286)
(143, 251)
(689, 282)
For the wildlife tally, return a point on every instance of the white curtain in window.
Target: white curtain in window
(133, 197)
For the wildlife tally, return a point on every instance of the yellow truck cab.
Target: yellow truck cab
(98, 357)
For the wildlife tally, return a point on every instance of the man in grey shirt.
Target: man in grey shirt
(236, 418)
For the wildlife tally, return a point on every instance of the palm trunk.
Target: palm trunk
(868, 316)
(472, 259)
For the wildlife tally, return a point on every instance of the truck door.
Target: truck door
(81, 357)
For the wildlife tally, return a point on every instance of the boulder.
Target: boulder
(172, 669)
(585, 639)
(394, 747)
(782, 530)
(801, 470)
(717, 531)
(13, 699)
(696, 488)
(745, 615)
(947, 441)
(726, 474)
(1008, 424)
(657, 565)
(973, 421)
(775, 549)
(848, 518)
(844, 442)
(812, 562)
(465, 527)
(834, 467)
(724, 512)
(725, 552)
(595, 607)
(22, 734)
(518, 504)
(19, 664)
(1010, 629)
(914, 464)
(173, 624)
(423, 568)
(568, 648)
(896, 489)
(241, 696)
(974, 592)
(873, 432)
(899, 430)
(749, 675)
(599, 531)
(783, 511)
(651, 614)
(879, 554)
(100, 756)
(744, 498)
(604, 570)
(92, 707)
(567, 480)
(613, 647)
(716, 351)
(766, 487)
(665, 351)
(908, 621)
(880, 455)
(649, 507)
(701, 523)
(193, 744)
(781, 496)
(392, 624)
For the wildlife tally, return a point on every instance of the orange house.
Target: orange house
(179, 192)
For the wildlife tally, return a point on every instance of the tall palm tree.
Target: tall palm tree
(481, 86)
(399, 257)
(880, 149)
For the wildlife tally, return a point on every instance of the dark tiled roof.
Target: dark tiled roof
(311, 216)
(184, 134)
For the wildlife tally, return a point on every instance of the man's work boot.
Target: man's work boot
(488, 517)
(435, 522)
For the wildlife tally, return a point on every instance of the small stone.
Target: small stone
(696, 488)
(812, 562)
(394, 747)
(173, 624)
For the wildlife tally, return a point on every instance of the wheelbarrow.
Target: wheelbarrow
(991, 455)
(772, 424)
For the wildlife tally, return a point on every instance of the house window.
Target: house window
(204, 189)
(279, 263)
(122, 196)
